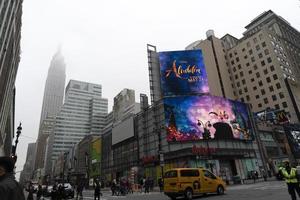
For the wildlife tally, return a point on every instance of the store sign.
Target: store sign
(149, 159)
(190, 118)
(183, 73)
(277, 117)
(203, 150)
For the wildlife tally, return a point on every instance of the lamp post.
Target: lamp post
(14, 147)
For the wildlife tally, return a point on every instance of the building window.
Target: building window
(260, 55)
(240, 92)
(238, 84)
(254, 88)
(269, 60)
(284, 104)
(242, 99)
(263, 44)
(281, 95)
(255, 40)
(248, 44)
(263, 92)
(260, 83)
(230, 55)
(252, 59)
(275, 77)
(236, 76)
(239, 66)
(266, 100)
(260, 36)
(259, 105)
(244, 81)
(248, 98)
(247, 64)
(245, 89)
(272, 68)
(250, 71)
(263, 63)
(268, 79)
(257, 96)
(243, 49)
(237, 59)
(241, 74)
(277, 106)
(245, 56)
(278, 85)
(271, 88)
(250, 52)
(257, 74)
(252, 79)
(232, 62)
(234, 69)
(274, 97)
(257, 47)
(267, 52)
(255, 67)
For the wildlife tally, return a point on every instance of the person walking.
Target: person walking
(290, 175)
(97, 191)
(161, 185)
(9, 187)
(39, 192)
(79, 190)
(113, 187)
(30, 191)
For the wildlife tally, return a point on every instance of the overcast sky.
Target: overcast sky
(104, 42)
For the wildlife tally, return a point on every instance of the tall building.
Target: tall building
(10, 35)
(83, 113)
(27, 172)
(264, 64)
(52, 102)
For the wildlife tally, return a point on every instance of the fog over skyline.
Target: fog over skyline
(104, 42)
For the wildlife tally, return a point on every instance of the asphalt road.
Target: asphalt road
(271, 190)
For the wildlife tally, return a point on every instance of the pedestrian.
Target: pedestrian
(147, 185)
(142, 184)
(264, 174)
(9, 187)
(39, 192)
(161, 184)
(97, 191)
(290, 175)
(30, 191)
(253, 174)
(113, 187)
(54, 192)
(79, 190)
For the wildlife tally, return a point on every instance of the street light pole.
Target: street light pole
(14, 147)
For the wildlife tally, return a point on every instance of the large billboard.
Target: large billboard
(96, 146)
(191, 118)
(183, 73)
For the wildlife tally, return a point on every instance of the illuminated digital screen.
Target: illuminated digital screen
(183, 73)
(191, 118)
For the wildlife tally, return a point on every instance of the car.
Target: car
(69, 190)
(190, 182)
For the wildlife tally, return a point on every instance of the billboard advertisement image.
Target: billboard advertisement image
(95, 157)
(183, 73)
(189, 118)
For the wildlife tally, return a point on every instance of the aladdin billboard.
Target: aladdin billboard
(183, 73)
(190, 118)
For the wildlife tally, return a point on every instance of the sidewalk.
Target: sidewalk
(251, 181)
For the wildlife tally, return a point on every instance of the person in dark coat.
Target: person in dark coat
(97, 191)
(9, 187)
(39, 192)
(30, 191)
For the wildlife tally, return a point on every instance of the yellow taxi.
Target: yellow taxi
(189, 182)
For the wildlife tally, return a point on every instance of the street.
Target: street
(271, 190)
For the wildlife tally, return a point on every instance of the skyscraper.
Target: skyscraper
(83, 113)
(52, 102)
(10, 35)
